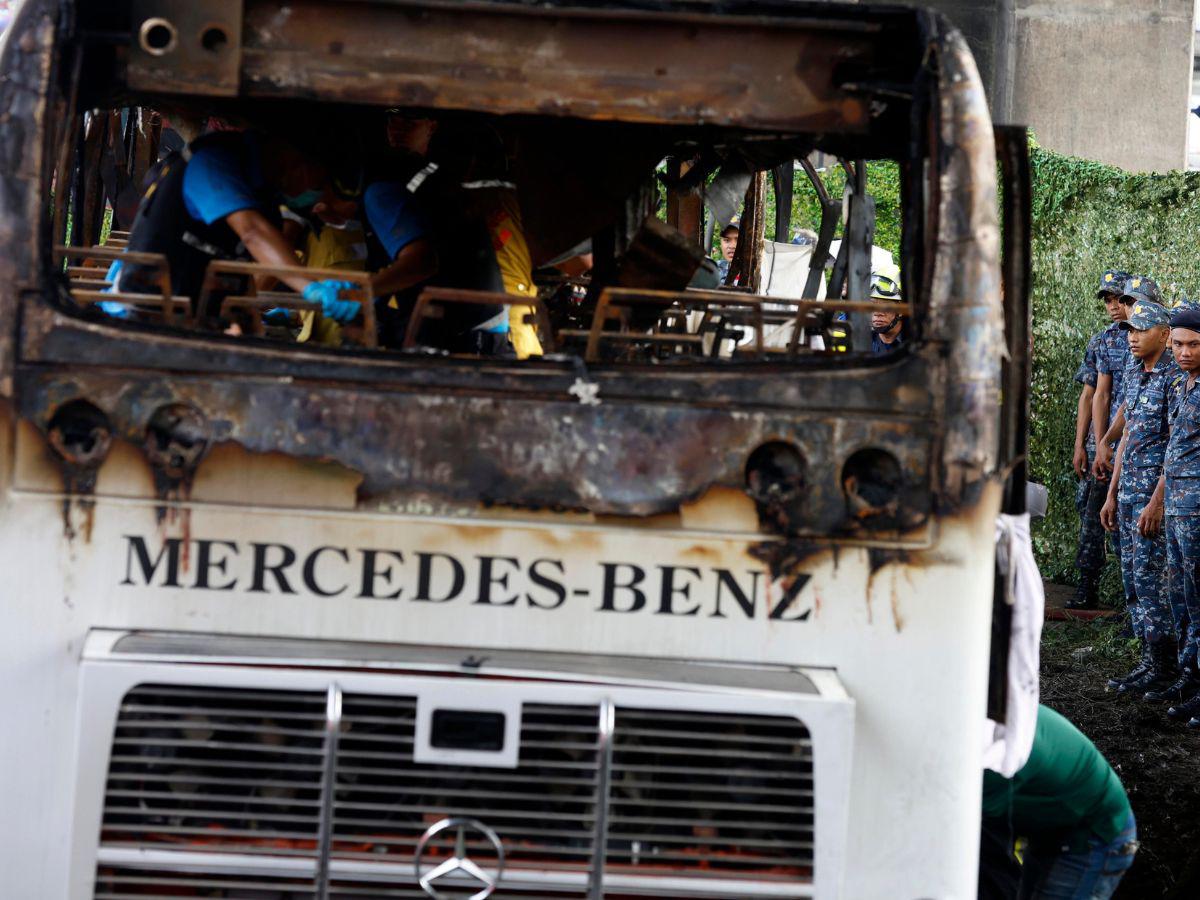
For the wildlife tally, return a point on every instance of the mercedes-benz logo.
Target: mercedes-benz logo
(459, 862)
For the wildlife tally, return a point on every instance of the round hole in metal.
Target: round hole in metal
(158, 36)
(214, 38)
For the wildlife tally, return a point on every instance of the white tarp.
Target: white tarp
(785, 270)
(784, 273)
(1007, 746)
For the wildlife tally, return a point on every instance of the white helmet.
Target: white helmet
(885, 282)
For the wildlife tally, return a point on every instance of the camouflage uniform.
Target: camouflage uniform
(1144, 559)
(1090, 494)
(1182, 467)
(1113, 358)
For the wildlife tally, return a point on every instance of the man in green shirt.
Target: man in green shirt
(1068, 803)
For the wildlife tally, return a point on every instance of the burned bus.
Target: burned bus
(692, 597)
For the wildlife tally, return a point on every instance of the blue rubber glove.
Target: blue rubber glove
(277, 316)
(326, 293)
(114, 309)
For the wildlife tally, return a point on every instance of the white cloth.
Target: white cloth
(784, 270)
(1037, 499)
(784, 273)
(1007, 746)
(880, 258)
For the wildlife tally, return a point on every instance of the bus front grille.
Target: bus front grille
(121, 883)
(216, 791)
(544, 810)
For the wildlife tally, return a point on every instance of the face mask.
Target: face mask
(303, 200)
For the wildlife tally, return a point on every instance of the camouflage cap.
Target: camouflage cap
(1112, 282)
(1146, 314)
(1142, 287)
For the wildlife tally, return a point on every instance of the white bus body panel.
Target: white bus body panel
(909, 642)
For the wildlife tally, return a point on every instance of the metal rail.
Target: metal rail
(363, 293)
(333, 725)
(156, 261)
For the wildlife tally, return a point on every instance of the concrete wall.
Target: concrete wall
(1070, 68)
(983, 23)
(1082, 65)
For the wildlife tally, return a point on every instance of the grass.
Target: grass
(1100, 640)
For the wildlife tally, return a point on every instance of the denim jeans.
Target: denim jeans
(1090, 872)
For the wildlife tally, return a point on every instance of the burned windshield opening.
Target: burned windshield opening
(411, 229)
(474, 236)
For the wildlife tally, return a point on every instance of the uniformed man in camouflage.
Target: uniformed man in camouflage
(1181, 471)
(1135, 496)
(1112, 359)
(1091, 493)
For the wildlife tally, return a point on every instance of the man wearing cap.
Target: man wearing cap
(729, 242)
(889, 330)
(1181, 473)
(1135, 495)
(220, 199)
(1091, 493)
(1112, 360)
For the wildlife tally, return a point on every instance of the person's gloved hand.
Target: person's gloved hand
(114, 309)
(326, 293)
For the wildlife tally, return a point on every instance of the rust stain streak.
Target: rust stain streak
(896, 617)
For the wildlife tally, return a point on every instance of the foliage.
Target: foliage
(883, 183)
(1100, 641)
(1088, 217)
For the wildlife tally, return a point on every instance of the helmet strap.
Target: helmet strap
(884, 329)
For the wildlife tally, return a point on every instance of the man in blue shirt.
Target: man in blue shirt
(1181, 475)
(888, 328)
(1135, 497)
(218, 199)
(1090, 494)
(424, 233)
(1112, 359)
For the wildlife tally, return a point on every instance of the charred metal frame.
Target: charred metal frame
(1012, 145)
(657, 438)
